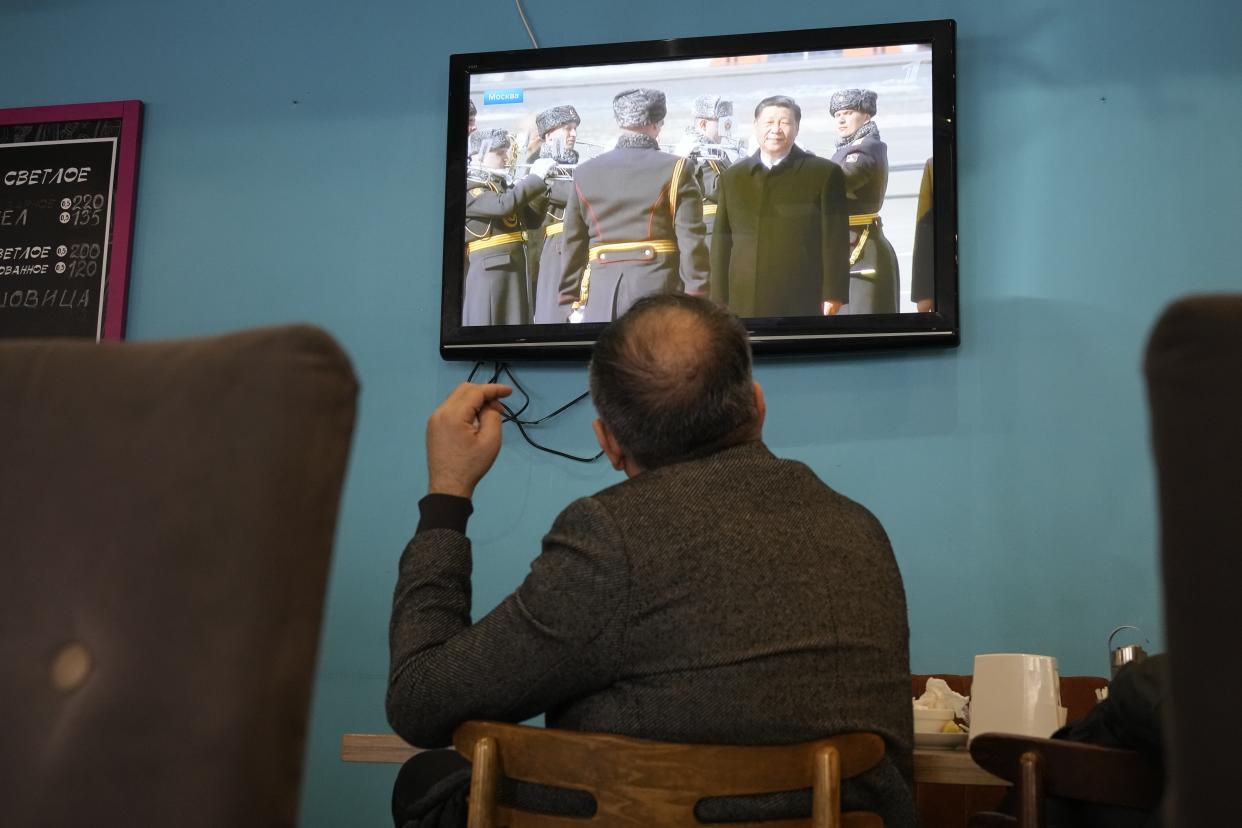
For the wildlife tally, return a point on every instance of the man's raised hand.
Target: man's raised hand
(463, 438)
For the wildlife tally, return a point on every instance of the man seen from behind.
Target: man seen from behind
(719, 594)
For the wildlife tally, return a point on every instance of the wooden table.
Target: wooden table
(950, 767)
(376, 747)
(949, 788)
(931, 767)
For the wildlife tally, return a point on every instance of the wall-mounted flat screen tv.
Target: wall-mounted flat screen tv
(805, 179)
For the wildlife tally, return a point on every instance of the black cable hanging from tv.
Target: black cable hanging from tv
(515, 417)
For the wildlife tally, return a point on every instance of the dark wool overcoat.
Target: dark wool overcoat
(707, 172)
(771, 612)
(780, 246)
(551, 299)
(496, 290)
(874, 274)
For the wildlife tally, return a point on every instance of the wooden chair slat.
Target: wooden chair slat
(525, 819)
(826, 799)
(637, 782)
(484, 783)
(1030, 790)
(578, 760)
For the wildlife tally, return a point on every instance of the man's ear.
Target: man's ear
(609, 444)
(761, 405)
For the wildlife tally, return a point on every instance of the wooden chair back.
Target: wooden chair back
(1070, 770)
(636, 782)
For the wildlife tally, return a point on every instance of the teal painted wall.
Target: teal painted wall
(291, 171)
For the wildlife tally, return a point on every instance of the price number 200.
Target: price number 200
(83, 260)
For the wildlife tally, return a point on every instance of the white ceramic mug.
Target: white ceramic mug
(1015, 693)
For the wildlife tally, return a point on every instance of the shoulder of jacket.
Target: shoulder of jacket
(743, 166)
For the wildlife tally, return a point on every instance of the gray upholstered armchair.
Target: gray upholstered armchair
(1194, 382)
(167, 513)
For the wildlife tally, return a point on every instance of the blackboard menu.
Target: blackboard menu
(66, 198)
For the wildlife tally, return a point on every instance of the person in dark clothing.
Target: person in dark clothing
(780, 246)
(1131, 717)
(634, 221)
(772, 612)
(711, 123)
(558, 129)
(864, 158)
(497, 214)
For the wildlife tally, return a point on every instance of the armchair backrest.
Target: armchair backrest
(1041, 768)
(167, 513)
(1194, 385)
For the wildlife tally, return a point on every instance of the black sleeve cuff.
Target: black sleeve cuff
(442, 511)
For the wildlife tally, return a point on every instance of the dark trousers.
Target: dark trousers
(431, 790)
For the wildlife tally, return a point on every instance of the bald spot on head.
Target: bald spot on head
(666, 350)
(671, 380)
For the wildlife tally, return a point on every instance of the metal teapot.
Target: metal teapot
(1121, 656)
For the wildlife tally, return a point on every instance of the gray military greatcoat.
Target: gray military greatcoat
(620, 197)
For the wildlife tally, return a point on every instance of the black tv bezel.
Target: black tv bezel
(785, 335)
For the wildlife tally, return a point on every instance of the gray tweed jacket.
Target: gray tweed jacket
(731, 599)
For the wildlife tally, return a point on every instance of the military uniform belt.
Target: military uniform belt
(553, 229)
(709, 209)
(863, 219)
(601, 253)
(495, 241)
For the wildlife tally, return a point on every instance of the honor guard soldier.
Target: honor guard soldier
(497, 213)
(558, 131)
(864, 158)
(703, 143)
(634, 221)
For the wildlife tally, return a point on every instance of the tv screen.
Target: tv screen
(805, 179)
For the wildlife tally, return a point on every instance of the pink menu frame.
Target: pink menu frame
(130, 114)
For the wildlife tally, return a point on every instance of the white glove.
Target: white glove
(541, 167)
(686, 145)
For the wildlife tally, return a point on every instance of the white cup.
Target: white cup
(1015, 693)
